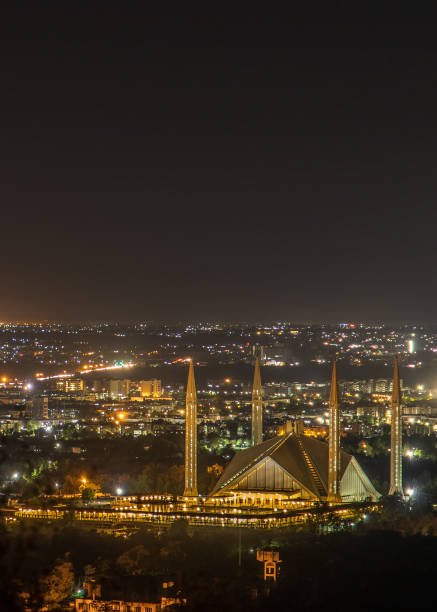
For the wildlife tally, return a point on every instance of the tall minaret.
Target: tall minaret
(191, 436)
(396, 435)
(334, 439)
(257, 406)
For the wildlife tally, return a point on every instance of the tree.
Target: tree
(58, 584)
(136, 561)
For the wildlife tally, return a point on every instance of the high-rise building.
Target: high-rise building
(334, 439)
(151, 388)
(191, 436)
(396, 436)
(257, 406)
(39, 408)
(119, 388)
(70, 385)
(383, 385)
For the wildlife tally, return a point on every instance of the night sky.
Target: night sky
(244, 167)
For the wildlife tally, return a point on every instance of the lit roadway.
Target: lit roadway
(87, 370)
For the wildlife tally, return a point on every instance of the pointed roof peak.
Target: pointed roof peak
(191, 383)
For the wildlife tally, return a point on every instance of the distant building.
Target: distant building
(383, 385)
(270, 558)
(100, 598)
(426, 411)
(151, 388)
(377, 412)
(379, 385)
(278, 390)
(70, 385)
(39, 408)
(99, 387)
(119, 388)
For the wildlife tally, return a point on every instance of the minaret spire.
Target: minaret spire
(334, 439)
(257, 406)
(191, 436)
(396, 435)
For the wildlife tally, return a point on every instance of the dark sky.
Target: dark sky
(249, 167)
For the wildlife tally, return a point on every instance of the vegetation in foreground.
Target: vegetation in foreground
(387, 562)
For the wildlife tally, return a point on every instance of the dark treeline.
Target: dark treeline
(385, 563)
(137, 465)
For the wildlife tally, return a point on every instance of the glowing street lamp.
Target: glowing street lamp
(119, 491)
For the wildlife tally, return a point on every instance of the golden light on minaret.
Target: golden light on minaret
(191, 436)
(334, 439)
(396, 435)
(257, 406)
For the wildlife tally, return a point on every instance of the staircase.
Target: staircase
(314, 474)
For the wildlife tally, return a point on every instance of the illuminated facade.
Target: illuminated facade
(191, 436)
(257, 406)
(151, 388)
(290, 468)
(70, 385)
(39, 408)
(334, 439)
(270, 558)
(297, 467)
(92, 600)
(396, 436)
(118, 388)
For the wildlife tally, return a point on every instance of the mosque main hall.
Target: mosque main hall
(294, 467)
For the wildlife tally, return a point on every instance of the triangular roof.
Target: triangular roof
(289, 453)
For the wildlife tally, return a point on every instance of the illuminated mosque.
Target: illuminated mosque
(288, 468)
(277, 482)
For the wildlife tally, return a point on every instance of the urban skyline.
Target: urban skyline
(218, 337)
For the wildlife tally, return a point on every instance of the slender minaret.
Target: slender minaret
(191, 436)
(396, 435)
(334, 439)
(257, 406)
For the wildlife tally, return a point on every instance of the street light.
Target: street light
(410, 492)
(119, 491)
